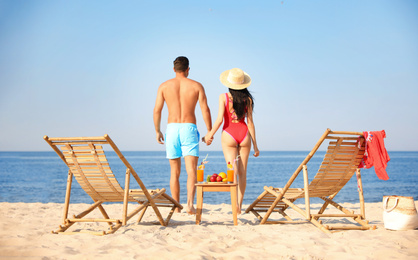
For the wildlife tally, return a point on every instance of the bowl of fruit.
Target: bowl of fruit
(217, 178)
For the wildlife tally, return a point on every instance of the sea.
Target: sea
(41, 176)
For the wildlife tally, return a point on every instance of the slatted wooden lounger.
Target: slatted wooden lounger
(87, 162)
(344, 153)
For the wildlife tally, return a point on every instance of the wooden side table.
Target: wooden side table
(213, 187)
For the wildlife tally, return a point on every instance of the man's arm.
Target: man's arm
(159, 104)
(218, 122)
(205, 109)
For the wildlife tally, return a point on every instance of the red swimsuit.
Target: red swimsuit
(237, 130)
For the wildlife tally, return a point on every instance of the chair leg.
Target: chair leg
(319, 225)
(142, 214)
(158, 213)
(170, 215)
(269, 211)
(125, 196)
(113, 229)
(259, 217)
(360, 193)
(67, 195)
(285, 215)
(346, 211)
(306, 185)
(264, 219)
(325, 205)
(68, 223)
(104, 213)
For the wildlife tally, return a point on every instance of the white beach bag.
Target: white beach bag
(399, 213)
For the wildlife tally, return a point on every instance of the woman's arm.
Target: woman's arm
(219, 120)
(251, 128)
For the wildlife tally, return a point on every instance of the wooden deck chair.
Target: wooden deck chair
(87, 162)
(340, 163)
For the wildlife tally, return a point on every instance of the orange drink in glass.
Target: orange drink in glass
(230, 173)
(200, 173)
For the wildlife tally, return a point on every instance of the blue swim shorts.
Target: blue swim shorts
(181, 139)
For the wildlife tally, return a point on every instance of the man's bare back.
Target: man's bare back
(181, 96)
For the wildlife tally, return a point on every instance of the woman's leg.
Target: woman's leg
(244, 151)
(231, 151)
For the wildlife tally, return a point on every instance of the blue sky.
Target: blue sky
(87, 68)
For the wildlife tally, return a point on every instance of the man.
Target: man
(182, 138)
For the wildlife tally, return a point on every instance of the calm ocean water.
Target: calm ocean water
(41, 176)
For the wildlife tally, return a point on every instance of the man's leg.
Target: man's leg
(191, 166)
(175, 165)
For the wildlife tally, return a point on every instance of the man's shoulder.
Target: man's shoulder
(185, 82)
(193, 83)
(167, 83)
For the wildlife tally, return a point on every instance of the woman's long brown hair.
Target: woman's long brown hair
(241, 101)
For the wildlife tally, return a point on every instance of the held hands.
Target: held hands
(207, 139)
(160, 137)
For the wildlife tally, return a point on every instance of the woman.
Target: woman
(237, 135)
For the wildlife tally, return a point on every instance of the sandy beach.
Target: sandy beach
(25, 233)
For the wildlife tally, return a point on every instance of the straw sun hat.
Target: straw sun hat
(235, 79)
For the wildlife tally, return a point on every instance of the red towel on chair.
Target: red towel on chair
(376, 154)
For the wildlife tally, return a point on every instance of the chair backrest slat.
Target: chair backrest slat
(340, 162)
(87, 161)
(91, 169)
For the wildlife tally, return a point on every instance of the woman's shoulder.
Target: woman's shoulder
(223, 96)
